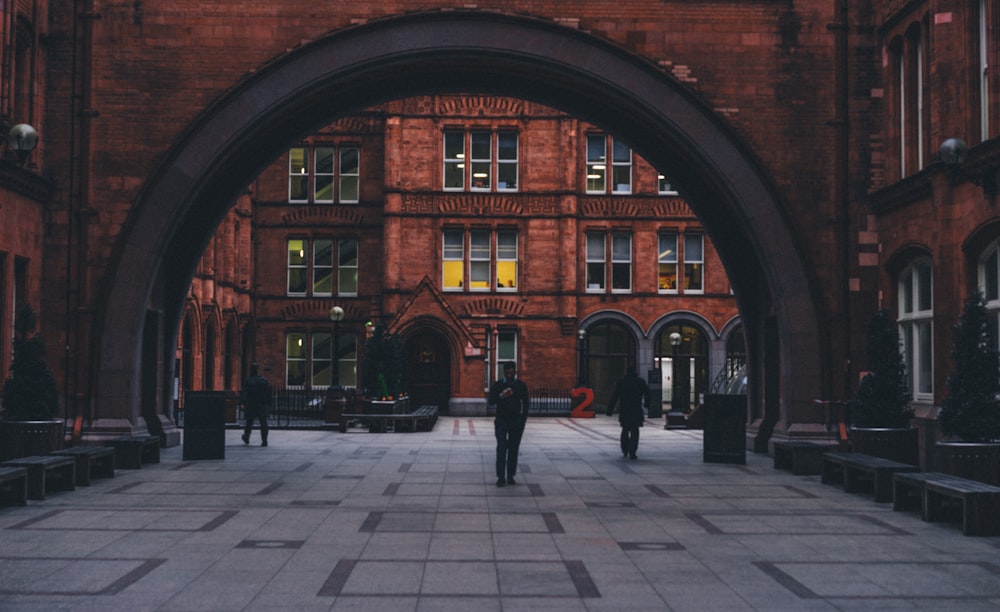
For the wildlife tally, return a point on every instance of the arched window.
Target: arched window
(915, 312)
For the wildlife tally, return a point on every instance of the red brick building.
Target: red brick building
(480, 229)
(805, 136)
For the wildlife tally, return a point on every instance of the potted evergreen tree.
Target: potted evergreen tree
(971, 409)
(880, 411)
(30, 397)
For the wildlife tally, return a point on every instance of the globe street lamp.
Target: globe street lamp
(22, 139)
(581, 377)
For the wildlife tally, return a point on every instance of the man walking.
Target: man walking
(510, 397)
(256, 399)
(632, 392)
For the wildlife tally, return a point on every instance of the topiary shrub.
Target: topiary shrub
(971, 409)
(883, 397)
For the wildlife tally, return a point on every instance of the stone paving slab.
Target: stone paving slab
(321, 520)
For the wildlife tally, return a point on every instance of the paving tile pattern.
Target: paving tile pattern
(321, 520)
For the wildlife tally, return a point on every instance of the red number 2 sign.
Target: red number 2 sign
(583, 397)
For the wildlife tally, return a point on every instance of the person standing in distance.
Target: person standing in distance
(256, 399)
(632, 392)
(510, 397)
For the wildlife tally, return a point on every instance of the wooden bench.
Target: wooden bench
(13, 486)
(132, 451)
(91, 462)
(800, 457)
(421, 419)
(856, 471)
(46, 473)
(935, 495)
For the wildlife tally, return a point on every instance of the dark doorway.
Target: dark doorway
(429, 370)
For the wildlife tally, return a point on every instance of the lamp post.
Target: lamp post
(675, 418)
(581, 377)
(336, 315)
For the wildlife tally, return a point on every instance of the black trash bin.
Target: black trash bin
(725, 428)
(204, 425)
(654, 378)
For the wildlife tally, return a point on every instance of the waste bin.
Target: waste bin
(204, 425)
(654, 378)
(725, 428)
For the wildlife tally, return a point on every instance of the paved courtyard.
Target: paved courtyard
(321, 520)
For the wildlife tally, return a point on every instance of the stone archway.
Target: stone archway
(183, 202)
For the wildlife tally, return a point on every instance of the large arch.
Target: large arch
(460, 51)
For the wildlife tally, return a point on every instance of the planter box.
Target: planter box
(895, 444)
(29, 438)
(972, 460)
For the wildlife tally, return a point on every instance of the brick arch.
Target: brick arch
(241, 133)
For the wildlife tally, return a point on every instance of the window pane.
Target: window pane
(298, 175)
(664, 185)
(347, 271)
(507, 259)
(453, 260)
(324, 175)
(596, 163)
(621, 276)
(479, 258)
(595, 276)
(347, 348)
(295, 360)
(454, 160)
(925, 358)
(507, 146)
(990, 275)
(321, 360)
(621, 179)
(693, 248)
(480, 175)
(906, 292)
(621, 247)
(297, 270)
(595, 247)
(480, 146)
(350, 178)
(322, 267)
(924, 287)
(693, 280)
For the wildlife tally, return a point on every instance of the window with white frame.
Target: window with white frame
(603, 149)
(667, 261)
(309, 359)
(480, 160)
(506, 351)
(491, 264)
(597, 257)
(671, 261)
(915, 316)
(989, 286)
(312, 267)
(664, 186)
(313, 172)
(694, 263)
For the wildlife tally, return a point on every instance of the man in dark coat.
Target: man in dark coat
(510, 396)
(256, 399)
(633, 393)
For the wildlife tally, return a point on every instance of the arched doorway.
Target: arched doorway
(221, 152)
(681, 353)
(611, 349)
(428, 361)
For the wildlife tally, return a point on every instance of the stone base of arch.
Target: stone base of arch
(107, 429)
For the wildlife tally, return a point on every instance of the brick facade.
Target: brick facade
(784, 122)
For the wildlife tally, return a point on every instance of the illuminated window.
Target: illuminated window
(491, 264)
(694, 263)
(597, 258)
(309, 359)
